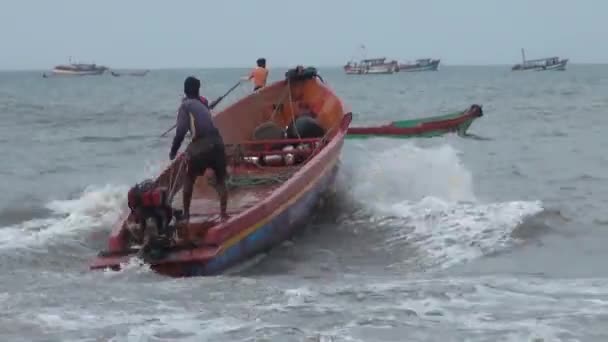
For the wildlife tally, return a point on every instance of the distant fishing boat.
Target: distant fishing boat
(370, 66)
(422, 64)
(541, 64)
(130, 73)
(79, 69)
(365, 66)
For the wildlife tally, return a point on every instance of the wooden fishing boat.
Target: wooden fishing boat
(130, 73)
(458, 122)
(370, 67)
(78, 69)
(540, 64)
(277, 176)
(422, 64)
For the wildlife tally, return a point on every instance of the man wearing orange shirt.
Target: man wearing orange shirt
(259, 75)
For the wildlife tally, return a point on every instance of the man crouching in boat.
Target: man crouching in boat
(206, 149)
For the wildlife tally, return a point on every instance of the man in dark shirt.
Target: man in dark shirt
(206, 149)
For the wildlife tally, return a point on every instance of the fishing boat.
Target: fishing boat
(370, 66)
(422, 64)
(541, 64)
(79, 69)
(458, 122)
(283, 145)
(130, 73)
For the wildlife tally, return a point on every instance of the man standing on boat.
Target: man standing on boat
(259, 75)
(205, 151)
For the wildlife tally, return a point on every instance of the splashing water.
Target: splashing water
(95, 207)
(431, 194)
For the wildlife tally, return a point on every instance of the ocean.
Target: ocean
(442, 239)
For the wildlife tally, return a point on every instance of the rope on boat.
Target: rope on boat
(174, 180)
(293, 113)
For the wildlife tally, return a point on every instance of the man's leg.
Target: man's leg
(219, 168)
(223, 194)
(196, 167)
(187, 193)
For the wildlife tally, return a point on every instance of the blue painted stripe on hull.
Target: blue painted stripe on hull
(270, 234)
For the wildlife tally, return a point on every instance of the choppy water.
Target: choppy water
(446, 239)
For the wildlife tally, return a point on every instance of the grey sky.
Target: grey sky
(37, 34)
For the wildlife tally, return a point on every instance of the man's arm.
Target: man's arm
(248, 77)
(181, 129)
(214, 103)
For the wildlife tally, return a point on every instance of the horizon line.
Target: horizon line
(274, 67)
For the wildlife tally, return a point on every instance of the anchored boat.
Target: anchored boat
(458, 122)
(423, 64)
(283, 145)
(79, 69)
(541, 64)
(129, 73)
(370, 66)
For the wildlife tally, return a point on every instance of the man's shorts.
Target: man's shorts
(207, 153)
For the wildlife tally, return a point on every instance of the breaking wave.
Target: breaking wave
(95, 207)
(429, 193)
(91, 211)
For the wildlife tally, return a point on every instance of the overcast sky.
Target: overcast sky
(38, 34)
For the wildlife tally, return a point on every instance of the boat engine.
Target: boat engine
(152, 213)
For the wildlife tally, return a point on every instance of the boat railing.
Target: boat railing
(303, 152)
(251, 151)
(269, 144)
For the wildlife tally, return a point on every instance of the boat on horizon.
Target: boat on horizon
(540, 64)
(78, 69)
(371, 66)
(421, 64)
(283, 145)
(129, 73)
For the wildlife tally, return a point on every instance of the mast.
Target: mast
(363, 51)
(523, 56)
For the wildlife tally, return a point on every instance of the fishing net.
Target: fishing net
(253, 180)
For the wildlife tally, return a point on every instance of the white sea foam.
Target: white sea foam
(98, 206)
(432, 192)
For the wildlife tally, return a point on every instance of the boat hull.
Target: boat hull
(385, 70)
(561, 66)
(59, 72)
(428, 127)
(129, 73)
(433, 66)
(267, 235)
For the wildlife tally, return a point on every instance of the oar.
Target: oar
(211, 106)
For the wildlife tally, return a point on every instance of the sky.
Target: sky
(38, 34)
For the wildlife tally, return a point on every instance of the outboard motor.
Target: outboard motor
(152, 212)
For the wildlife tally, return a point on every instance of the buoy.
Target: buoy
(304, 151)
(289, 157)
(273, 160)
